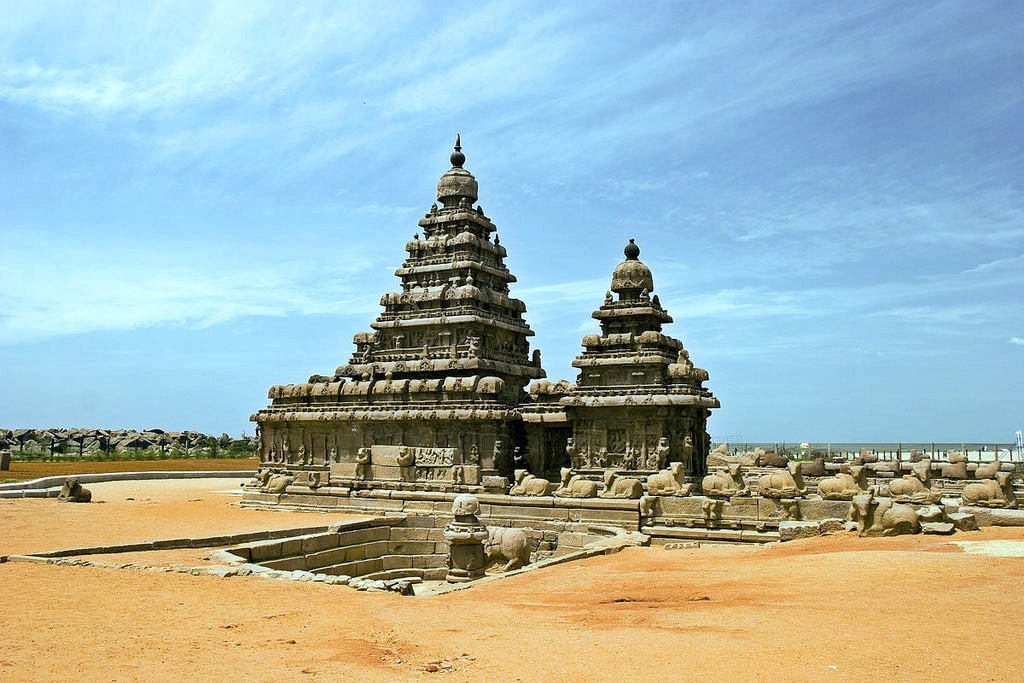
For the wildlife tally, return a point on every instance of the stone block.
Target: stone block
(791, 531)
(411, 547)
(831, 526)
(291, 546)
(674, 506)
(995, 516)
(940, 528)
(265, 551)
(930, 513)
(963, 521)
(494, 484)
(400, 534)
(430, 561)
(363, 536)
(817, 510)
(318, 542)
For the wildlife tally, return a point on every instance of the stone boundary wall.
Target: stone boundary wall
(49, 487)
(542, 513)
(402, 546)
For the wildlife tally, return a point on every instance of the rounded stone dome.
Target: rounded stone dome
(632, 275)
(457, 183)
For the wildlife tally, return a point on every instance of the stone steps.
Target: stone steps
(662, 534)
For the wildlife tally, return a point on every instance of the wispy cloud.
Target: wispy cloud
(145, 288)
(1019, 341)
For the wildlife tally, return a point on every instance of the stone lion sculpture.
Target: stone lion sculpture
(508, 545)
(277, 483)
(73, 492)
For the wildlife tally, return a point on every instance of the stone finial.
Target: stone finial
(632, 251)
(458, 158)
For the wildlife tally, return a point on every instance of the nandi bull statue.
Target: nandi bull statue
(725, 482)
(915, 487)
(669, 482)
(991, 493)
(73, 492)
(529, 485)
(509, 547)
(785, 483)
(575, 486)
(844, 485)
(617, 486)
(882, 516)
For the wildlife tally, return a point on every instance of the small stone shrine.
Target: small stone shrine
(639, 403)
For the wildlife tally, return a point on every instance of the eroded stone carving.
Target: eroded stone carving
(510, 546)
(575, 486)
(364, 458)
(725, 482)
(73, 492)
(529, 485)
(277, 483)
(669, 482)
(617, 486)
(991, 493)
(786, 483)
(882, 516)
(916, 486)
(844, 485)
(466, 537)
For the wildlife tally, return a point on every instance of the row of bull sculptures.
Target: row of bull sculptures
(994, 490)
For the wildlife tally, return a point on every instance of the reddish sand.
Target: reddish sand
(831, 609)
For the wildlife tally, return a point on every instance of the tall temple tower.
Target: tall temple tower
(439, 378)
(638, 402)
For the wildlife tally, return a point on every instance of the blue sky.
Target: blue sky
(199, 200)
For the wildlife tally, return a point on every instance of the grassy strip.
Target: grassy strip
(24, 471)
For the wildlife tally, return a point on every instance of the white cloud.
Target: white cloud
(1017, 340)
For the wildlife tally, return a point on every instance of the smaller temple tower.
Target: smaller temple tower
(638, 402)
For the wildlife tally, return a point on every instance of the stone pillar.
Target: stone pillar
(466, 537)
(5, 460)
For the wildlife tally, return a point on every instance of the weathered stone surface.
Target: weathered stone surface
(963, 521)
(792, 530)
(930, 513)
(940, 528)
(995, 516)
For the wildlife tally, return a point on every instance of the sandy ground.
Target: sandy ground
(837, 608)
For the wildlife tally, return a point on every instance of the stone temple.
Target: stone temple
(438, 394)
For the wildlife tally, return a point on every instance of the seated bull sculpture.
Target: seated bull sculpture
(72, 492)
(507, 545)
(616, 486)
(575, 486)
(916, 486)
(529, 485)
(786, 483)
(725, 482)
(991, 493)
(845, 485)
(882, 516)
(669, 482)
